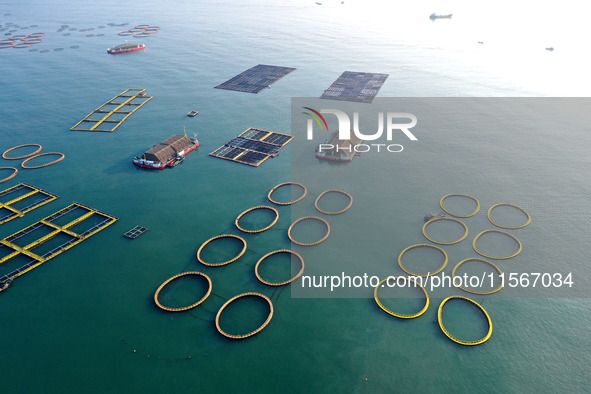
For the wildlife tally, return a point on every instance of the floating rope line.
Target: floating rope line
(460, 195)
(441, 242)
(153, 357)
(62, 156)
(237, 222)
(509, 227)
(4, 155)
(15, 171)
(232, 336)
(401, 315)
(224, 262)
(310, 243)
(277, 293)
(254, 251)
(422, 246)
(497, 257)
(453, 274)
(185, 307)
(460, 341)
(300, 198)
(256, 268)
(334, 191)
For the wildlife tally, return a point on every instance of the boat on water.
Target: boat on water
(435, 16)
(169, 153)
(193, 113)
(5, 285)
(338, 150)
(124, 48)
(430, 216)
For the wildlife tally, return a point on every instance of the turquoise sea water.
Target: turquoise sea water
(86, 321)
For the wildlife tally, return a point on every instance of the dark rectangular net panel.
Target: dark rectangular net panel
(240, 155)
(355, 86)
(256, 78)
(254, 145)
(278, 139)
(252, 158)
(255, 134)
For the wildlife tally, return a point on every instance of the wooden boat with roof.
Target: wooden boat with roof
(168, 153)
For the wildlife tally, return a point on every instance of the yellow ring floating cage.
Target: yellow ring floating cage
(520, 247)
(15, 171)
(256, 268)
(401, 315)
(423, 246)
(460, 341)
(237, 221)
(441, 242)
(163, 285)
(62, 156)
(224, 262)
(528, 221)
(334, 191)
(259, 329)
(460, 195)
(453, 274)
(289, 202)
(21, 157)
(309, 243)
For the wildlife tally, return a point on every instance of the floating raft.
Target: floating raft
(135, 232)
(355, 86)
(13, 199)
(99, 222)
(256, 78)
(253, 146)
(114, 112)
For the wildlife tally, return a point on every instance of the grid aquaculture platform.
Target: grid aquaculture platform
(13, 199)
(253, 147)
(25, 243)
(114, 112)
(135, 232)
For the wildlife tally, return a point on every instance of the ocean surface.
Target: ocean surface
(86, 320)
